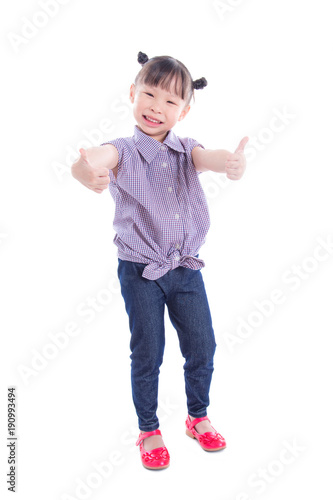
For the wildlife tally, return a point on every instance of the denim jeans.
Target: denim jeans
(182, 290)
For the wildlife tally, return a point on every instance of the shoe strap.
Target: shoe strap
(194, 422)
(147, 434)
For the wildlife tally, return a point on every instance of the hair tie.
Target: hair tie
(142, 58)
(199, 84)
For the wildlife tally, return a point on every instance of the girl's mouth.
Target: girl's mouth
(151, 121)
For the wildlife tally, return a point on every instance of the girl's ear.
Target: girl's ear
(184, 113)
(132, 93)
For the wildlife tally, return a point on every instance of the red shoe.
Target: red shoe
(209, 441)
(156, 459)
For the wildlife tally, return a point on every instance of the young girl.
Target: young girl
(161, 220)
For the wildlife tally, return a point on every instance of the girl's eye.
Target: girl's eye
(171, 102)
(149, 94)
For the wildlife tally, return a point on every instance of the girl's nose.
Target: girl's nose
(156, 107)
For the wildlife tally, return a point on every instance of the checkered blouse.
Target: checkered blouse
(161, 213)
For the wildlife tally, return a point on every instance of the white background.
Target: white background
(272, 383)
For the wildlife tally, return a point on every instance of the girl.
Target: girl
(161, 220)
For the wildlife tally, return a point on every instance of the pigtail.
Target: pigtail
(142, 58)
(199, 84)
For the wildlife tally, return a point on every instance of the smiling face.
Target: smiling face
(157, 110)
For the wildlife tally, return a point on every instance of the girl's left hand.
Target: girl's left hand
(236, 162)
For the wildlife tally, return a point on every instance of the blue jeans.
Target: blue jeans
(182, 290)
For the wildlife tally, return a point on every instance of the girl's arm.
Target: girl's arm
(209, 159)
(93, 165)
(221, 160)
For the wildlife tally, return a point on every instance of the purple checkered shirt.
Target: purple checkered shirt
(161, 213)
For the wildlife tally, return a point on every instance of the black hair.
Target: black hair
(160, 71)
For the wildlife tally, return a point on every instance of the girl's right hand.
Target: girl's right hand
(95, 178)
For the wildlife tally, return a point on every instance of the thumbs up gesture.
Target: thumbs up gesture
(236, 162)
(92, 168)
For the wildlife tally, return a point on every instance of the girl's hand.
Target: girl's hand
(95, 178)
(235, 163)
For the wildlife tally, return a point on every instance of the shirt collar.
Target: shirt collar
(149, 147)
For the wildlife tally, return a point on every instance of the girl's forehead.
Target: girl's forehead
(170, 89)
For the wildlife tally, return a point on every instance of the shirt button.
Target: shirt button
(164, 164)
(163, 148)
(178, 246)
(177, 257)
(176, 216)
(170, 189)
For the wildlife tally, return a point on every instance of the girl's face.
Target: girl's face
(154, 103)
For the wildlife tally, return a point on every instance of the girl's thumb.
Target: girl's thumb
(83, 153)
(241, 145)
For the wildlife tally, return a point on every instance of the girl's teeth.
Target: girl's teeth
(151, 120)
